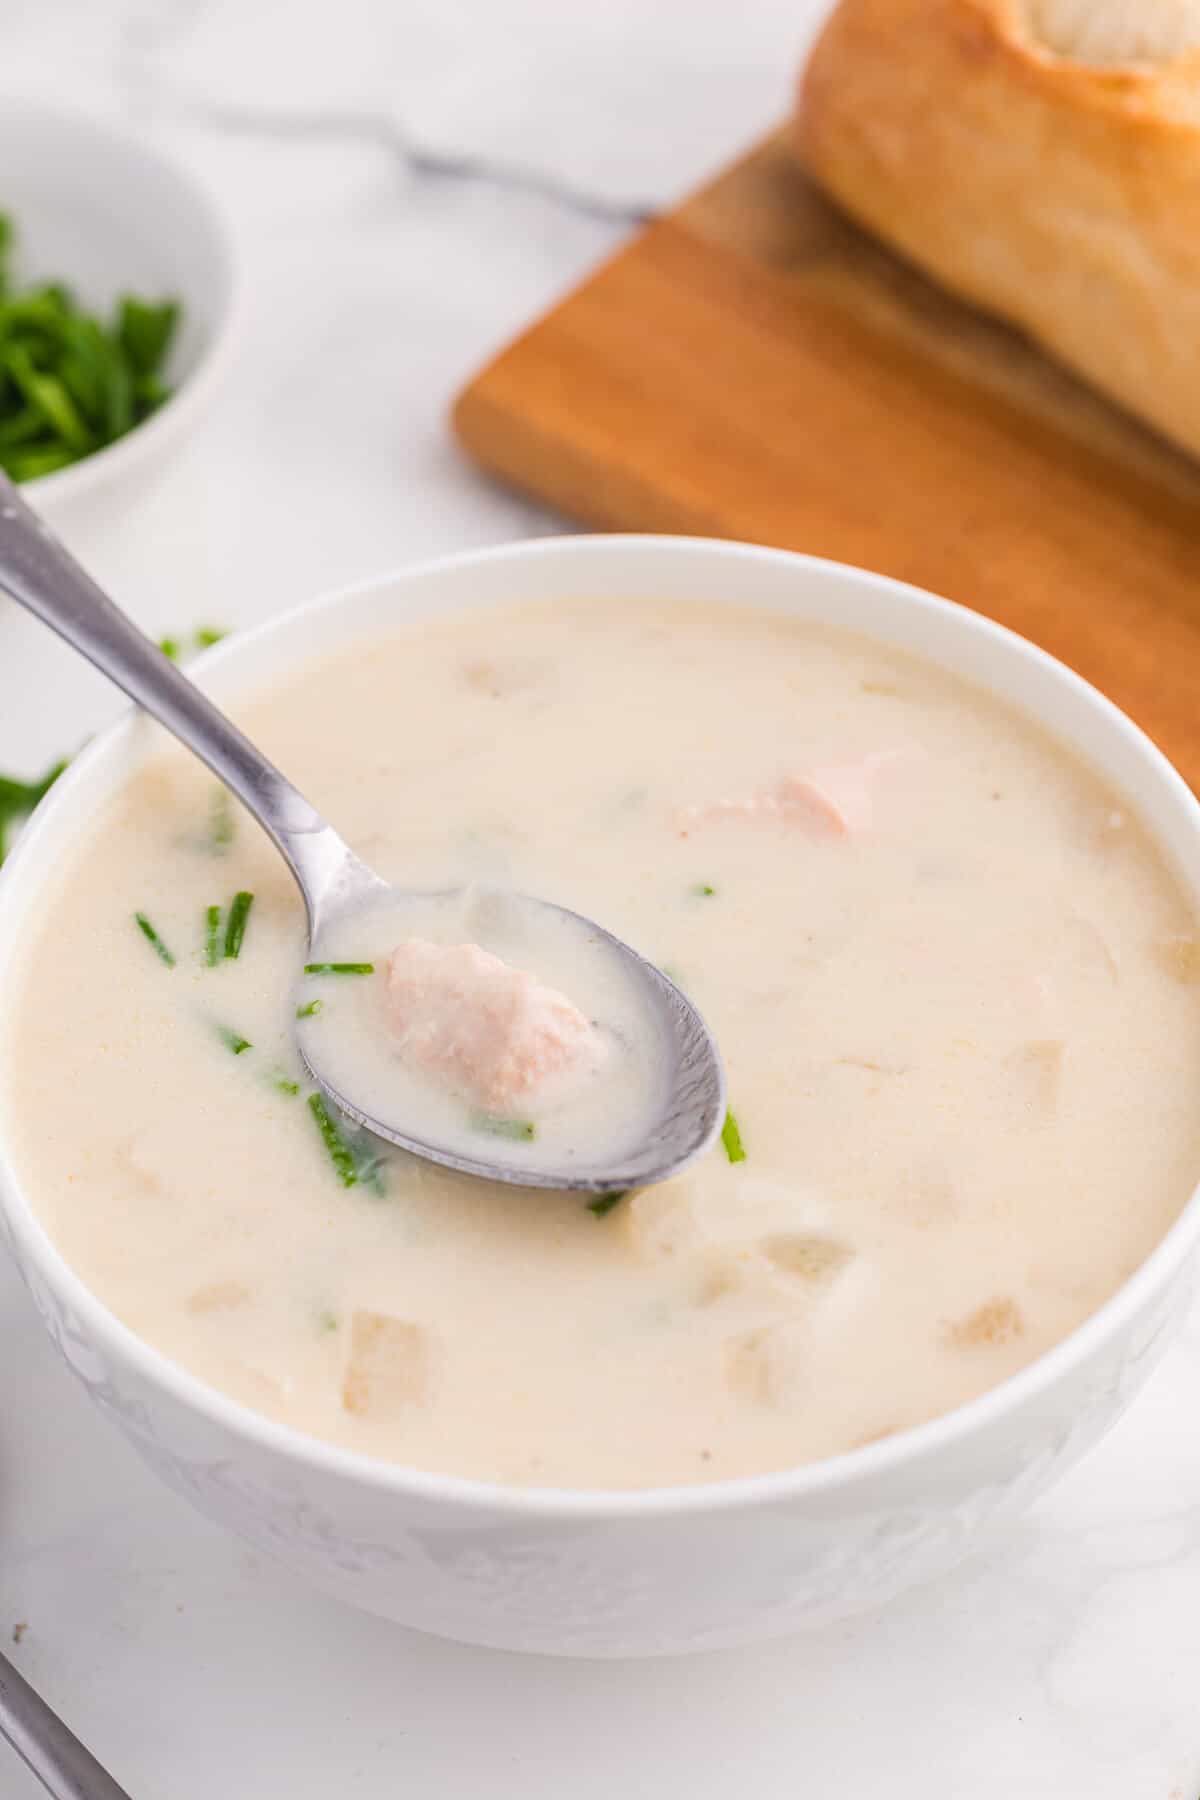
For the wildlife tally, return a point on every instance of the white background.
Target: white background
(1068, 1664)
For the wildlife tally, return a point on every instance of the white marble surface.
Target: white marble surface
(1068, 1664)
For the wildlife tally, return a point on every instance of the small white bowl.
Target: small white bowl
(95, 207)
(667, 1569)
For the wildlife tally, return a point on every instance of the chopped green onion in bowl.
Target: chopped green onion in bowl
(18, 799)
(72, 381)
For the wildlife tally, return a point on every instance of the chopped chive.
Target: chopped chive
(340, 1154)
(520, 1130)
(144, 331)
(284, 1084)
(23, 796)
(212, 936)
(152, 938)
(603, 1204)
(235, 930)
(18, 799)
(70, 379)
(702, 890)
(731, 1137)
(369, 1164)
(310, 1011)
(327, 1321)
(233, 1040)
(339, 968)
(202, 638)
(220, 821)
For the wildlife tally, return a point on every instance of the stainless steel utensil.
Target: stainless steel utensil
(65, 1768)
(37, 571)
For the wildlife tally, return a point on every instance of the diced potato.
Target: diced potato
(218, 1296)
(747, 1234)
(924, 1192)
(770, 1367)
(719, 1272)
(1180, 957)
(995, 1322)
(809, 1258)
(1033, 1079)
(499, 676)
(660, 1221)
(1086, 949)
(151, 1158)
(387, 1368)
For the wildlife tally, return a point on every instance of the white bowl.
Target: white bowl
(672, 1569)
(96, 207)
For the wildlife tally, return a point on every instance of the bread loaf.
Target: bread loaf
(1039, 157)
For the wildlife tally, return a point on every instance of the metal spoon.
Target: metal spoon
(37, 571)
(61, 1763)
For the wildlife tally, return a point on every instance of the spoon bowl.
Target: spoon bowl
(693, 1093)
(336, 886)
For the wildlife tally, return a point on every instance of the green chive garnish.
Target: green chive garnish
(339, 968)
(235, 930)
(285, 1085)
(603, 1204)
(340, 1154)
(233, 1040)
(369, 1164)
(310, 1011)
(74, 379)
(203, 638)
(327, 1321)
(521, 1131)
(18, 799)
(152, 938)
(220, 821)
(212, 936)
(731, 1137)
(702, 889)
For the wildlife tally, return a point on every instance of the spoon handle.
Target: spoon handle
(41, 574)
(61, 1763)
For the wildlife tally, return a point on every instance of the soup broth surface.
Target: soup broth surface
(951, 978)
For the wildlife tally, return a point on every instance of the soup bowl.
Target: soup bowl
(97, 206)
(663, 1570)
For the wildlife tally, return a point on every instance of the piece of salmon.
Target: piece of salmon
(837, 799)
(492, 1032)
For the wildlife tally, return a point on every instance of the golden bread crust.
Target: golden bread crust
(1062, 195)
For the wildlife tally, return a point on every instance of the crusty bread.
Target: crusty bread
(1040, 157)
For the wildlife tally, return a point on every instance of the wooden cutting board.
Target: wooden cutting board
(752, 366)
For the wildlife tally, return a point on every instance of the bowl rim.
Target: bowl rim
(806, 1481)
(193, 389)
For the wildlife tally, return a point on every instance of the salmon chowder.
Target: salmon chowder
(954, 985)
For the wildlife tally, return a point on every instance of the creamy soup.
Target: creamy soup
(952, 981)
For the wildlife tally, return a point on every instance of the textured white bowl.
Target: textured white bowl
(96, 207)
(667, 1570)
